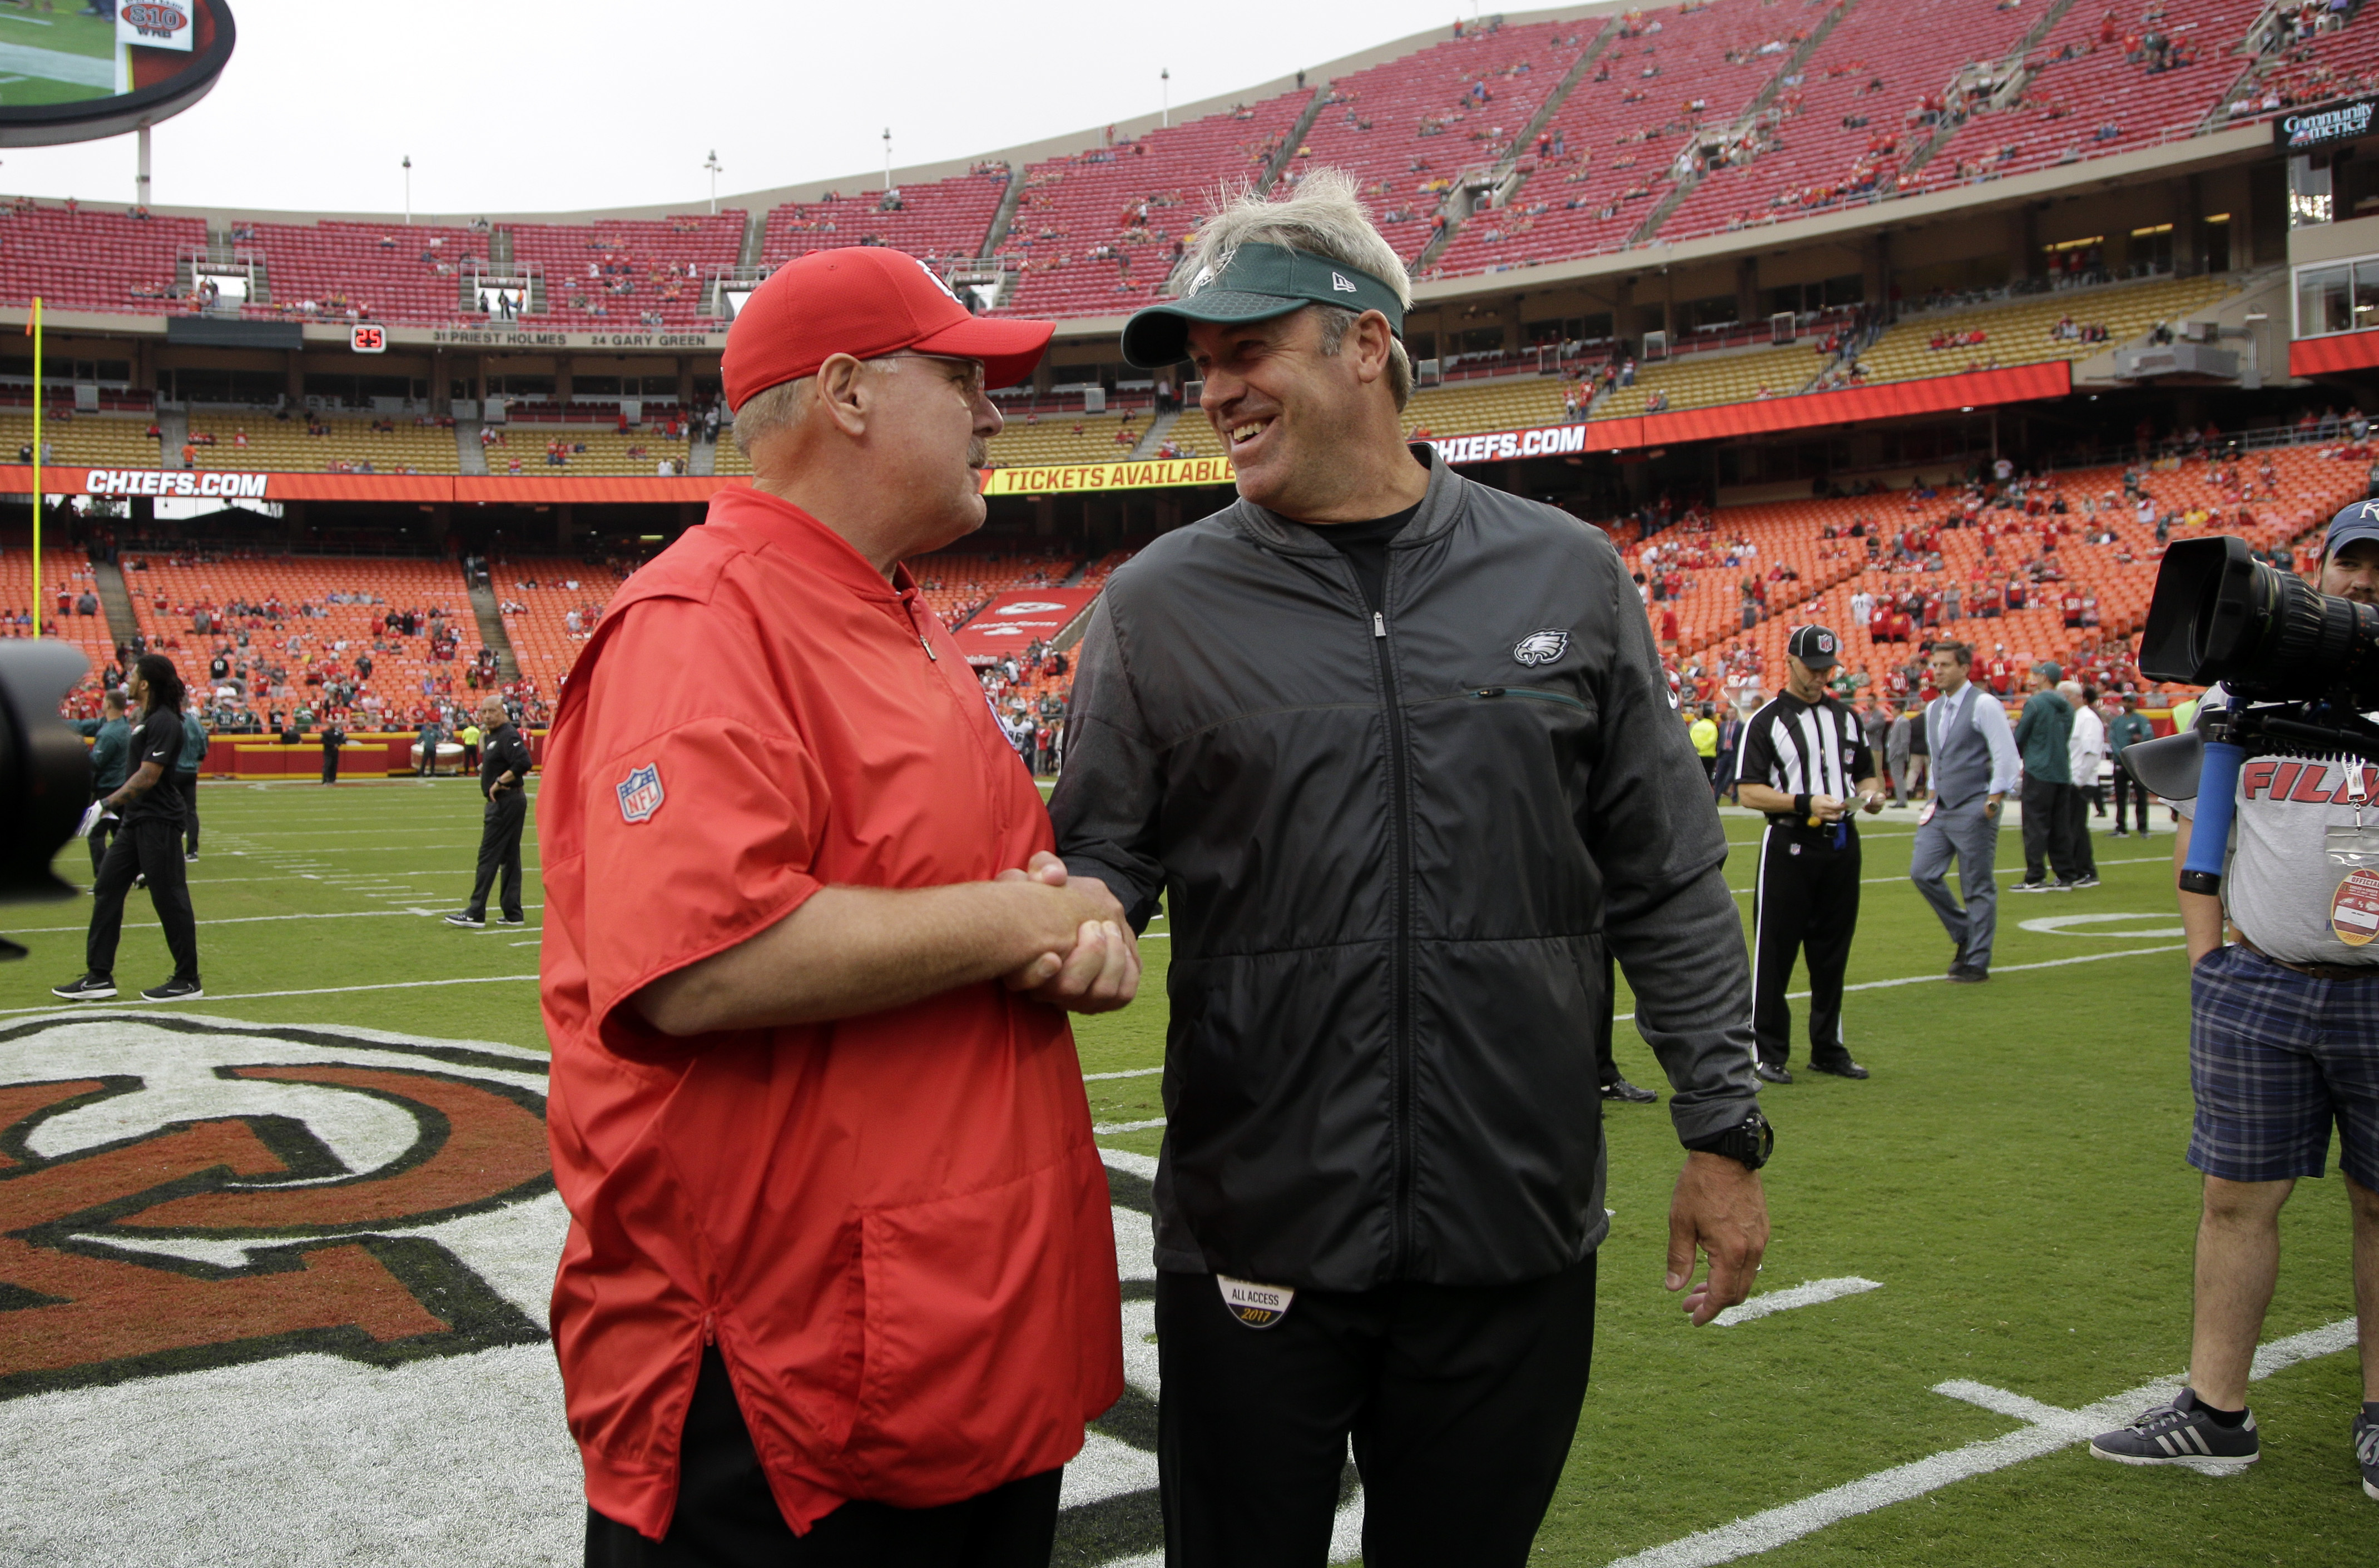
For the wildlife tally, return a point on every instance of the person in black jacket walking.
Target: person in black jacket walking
(503, 779)
(1398, 753)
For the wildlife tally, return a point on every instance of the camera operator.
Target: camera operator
(2284, 1040)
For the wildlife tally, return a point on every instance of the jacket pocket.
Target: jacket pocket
(978, 1357)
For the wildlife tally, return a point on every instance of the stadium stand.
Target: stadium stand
(91, 260)
(1469, 408)
(66, 571)
(1865, 102)
(2318, 55)
(2094, 88)
(957, 582)
(1608, 153)
(2019, 332)
(537, 595)
(88, 440)
(947, 218)
(548, 448)
(1409, 129)
(386, 272)
(1067, 438)
(310, 635)
(1094, 233)
(647, 272)
(254, 440)
(1704, 381)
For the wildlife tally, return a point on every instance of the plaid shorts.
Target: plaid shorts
(2274, 1057)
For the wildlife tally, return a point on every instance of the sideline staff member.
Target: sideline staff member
(1401, 749)
(2283, 1042)
(841, 1261)
(148, 844)
(1805, 759)
(1974, 765)
(503, 779)
(110, 759)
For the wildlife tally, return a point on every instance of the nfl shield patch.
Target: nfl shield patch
(640, 794)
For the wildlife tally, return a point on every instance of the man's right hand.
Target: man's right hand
(1098, 970)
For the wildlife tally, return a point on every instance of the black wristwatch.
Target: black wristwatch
(1752, 1141)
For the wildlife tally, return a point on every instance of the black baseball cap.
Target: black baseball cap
(2359, 521)
(1254, 283)
(1816, 647)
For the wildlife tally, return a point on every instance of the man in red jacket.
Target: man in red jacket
(839, 1283)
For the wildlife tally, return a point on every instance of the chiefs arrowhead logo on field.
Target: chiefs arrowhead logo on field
(179, 1193)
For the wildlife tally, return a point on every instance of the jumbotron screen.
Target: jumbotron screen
(72, 75)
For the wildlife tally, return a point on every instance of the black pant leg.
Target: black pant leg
(169, 892)
(2039, 824)
(515, 812)
(1603, 1023)
(1253, 1423)
(727, 1518)
(1832, 922)
(2062, 860)
(1464, 1440)
(330, 766)
(190, 812)
(1779, 914)
(109, 886)
(2077, 830)
(2140, 795)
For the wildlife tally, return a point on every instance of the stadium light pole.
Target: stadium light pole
(408, 190)
(712, 164)
(887, 157)
(141, 180)
(1166, 76)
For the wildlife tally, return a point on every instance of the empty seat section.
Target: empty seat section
(947, 218)
(81, 260)
(622, 274)
(253, 440)
(1946, 342)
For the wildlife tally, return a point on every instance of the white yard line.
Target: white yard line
(258, 919)
(313, 991)
(1135, 1072)
(1997, 970)
(1108, 1129)
(2046, 1429)
(1808, 1295)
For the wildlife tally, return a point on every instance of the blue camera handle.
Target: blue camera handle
(2218, 803)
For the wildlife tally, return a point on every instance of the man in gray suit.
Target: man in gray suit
(1974, 764)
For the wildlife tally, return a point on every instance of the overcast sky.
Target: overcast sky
(506, 106)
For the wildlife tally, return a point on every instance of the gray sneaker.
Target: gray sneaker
(2366, 1450)
(2182, 1433)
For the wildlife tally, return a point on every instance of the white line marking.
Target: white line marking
(2047, 1429)
(1995, 970)
(1101, 1076)
(1130, 1164)
(314, 990)
(1108, 1129)
(2004, 871)
(1807, 1295)
(247, 919)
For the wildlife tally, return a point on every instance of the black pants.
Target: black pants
(2047, 830)
(150, 847)
(101, 835)
(189, 782)
(1604, 1060)
(330, 764)
(2077, 828)
(1461, 1401)
(727, 1518)
(1807, 907)
(500, 841)
(2126, 789)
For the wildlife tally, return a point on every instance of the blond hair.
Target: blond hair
(1321, 216)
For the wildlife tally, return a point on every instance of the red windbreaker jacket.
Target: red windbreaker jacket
(895, 1227)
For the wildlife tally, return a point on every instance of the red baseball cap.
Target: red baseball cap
(866, 301)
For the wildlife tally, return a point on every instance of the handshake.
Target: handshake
(1091, 961)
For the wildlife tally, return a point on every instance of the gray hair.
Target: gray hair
(1323, 216)
(766, 412)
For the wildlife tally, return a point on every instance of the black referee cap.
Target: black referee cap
(1816, 647)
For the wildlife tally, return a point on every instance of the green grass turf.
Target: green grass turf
(2012, 1173)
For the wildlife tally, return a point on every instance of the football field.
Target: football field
(273, 1266)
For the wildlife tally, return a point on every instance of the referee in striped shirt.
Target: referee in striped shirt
(1806, 764)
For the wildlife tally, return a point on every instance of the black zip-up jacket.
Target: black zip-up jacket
(503, 751)
(1393, 847)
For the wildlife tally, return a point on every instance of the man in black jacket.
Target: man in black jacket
(1397, 752)
(503, 779)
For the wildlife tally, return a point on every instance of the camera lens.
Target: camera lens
(2219, 614)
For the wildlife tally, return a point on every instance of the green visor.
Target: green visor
(1254, 283)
